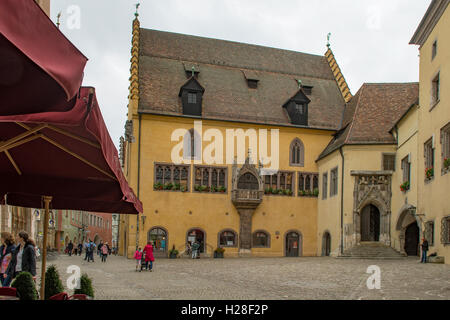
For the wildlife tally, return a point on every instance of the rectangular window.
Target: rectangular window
(429, 159)
(171, 177)
(435, 85)
(445, 230)
(389, 162)
(300, 108)
(434, 50)
(429, 232)
(210, 179)
(445, 147)
(281, 183)
(308, 184)
(334, 182)
(324, 185)
(406, 167)
(192, 97)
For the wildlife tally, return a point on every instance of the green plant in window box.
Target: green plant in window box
(429, 172)
(183, 188)
(218, 253)
(404, 186)
(268, 190)
(274, 191)
(447, 163)
(316, 192)
(214, 189)
(203, 188)
(301, 193)
(197, 187)
(158, 186)
(176, 186)
(168, 186)
(281, 192)
(307, 193)
(222, 189)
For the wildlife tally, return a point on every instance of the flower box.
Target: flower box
(429, 173)
(405, 186)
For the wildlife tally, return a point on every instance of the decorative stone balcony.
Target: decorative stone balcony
(246, 198)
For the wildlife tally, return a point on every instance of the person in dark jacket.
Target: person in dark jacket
(80, 248)
(424, 250)
(23, 258)
(70, 248)
(6, 250)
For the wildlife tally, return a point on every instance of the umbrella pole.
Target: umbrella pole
(47, 201)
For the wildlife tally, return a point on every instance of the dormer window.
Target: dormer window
(191, 94)
(297, 108)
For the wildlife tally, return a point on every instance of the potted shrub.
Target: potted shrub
(25, 286)
(429, 172)
(218, 253)
(173, 253)
(53, 284)
(404, 186)
(85, 286)
(316, 192)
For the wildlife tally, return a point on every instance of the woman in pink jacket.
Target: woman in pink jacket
(148, 251)
(138, 257)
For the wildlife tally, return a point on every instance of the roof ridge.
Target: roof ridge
(354, 115)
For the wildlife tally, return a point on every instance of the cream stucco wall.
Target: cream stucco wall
(433, 200)
(178, 212)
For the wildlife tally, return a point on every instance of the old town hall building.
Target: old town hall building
(338, 184)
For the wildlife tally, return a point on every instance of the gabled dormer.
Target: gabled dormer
(191, 94)
(297, 108)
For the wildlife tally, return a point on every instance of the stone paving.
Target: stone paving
(261, 278)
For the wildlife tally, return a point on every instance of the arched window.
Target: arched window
(261, 239)
(227, 238)
(297, 153)
(159, 238)
(192, 145)
(248, 181)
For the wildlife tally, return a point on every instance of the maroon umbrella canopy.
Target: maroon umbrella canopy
(68, 155)
(40, 68)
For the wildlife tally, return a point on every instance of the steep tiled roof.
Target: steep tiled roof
(224, 66)
(371, 113)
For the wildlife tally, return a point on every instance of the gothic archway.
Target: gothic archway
(405, 219)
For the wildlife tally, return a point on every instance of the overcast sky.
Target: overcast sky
(369, 38)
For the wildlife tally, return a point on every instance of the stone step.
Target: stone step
(371, 250)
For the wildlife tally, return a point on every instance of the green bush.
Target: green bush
(85, 286)
(53, 284)
(25, 286)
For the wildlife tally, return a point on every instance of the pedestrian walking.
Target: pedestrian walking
(138, 256)
(195, 249)
(86, 250)
(99, 249)
(23, 258)
(6, 250)
(105, 251)
(424, 250)
(91, 251)
(70, 248)
(148, 251)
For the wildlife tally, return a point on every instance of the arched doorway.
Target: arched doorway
(158, 236)
(326, 244)
(292, 244)
(197, 235)
(370, 223)
(412, 239)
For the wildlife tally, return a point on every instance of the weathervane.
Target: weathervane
(137, 8)
(328, 39)
(193, 71)
(299, 83)
(57, 19)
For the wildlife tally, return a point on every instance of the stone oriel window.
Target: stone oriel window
(297, 153)
(334, 182)
(171, 177)
(210, 179)
(429, 159)
(429, 232)
(260, 239)
(227, 238)
(281, 183)
(325, 185)
(308, 184)
(445, 147)
(388, 162)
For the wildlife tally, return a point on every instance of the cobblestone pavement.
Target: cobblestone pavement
(261, 278)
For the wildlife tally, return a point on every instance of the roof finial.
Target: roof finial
(137, 8)
(193, 71)
(328, 39)
(299, 83)
(57, 19)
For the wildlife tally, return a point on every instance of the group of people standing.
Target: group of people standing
(193, 249)
(103, 250)
(144, 258)
(16, 256)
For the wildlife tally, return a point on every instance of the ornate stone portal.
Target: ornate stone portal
(246, 194)
(371, 188)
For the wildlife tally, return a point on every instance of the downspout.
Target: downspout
(342, 201)
(138, 181)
